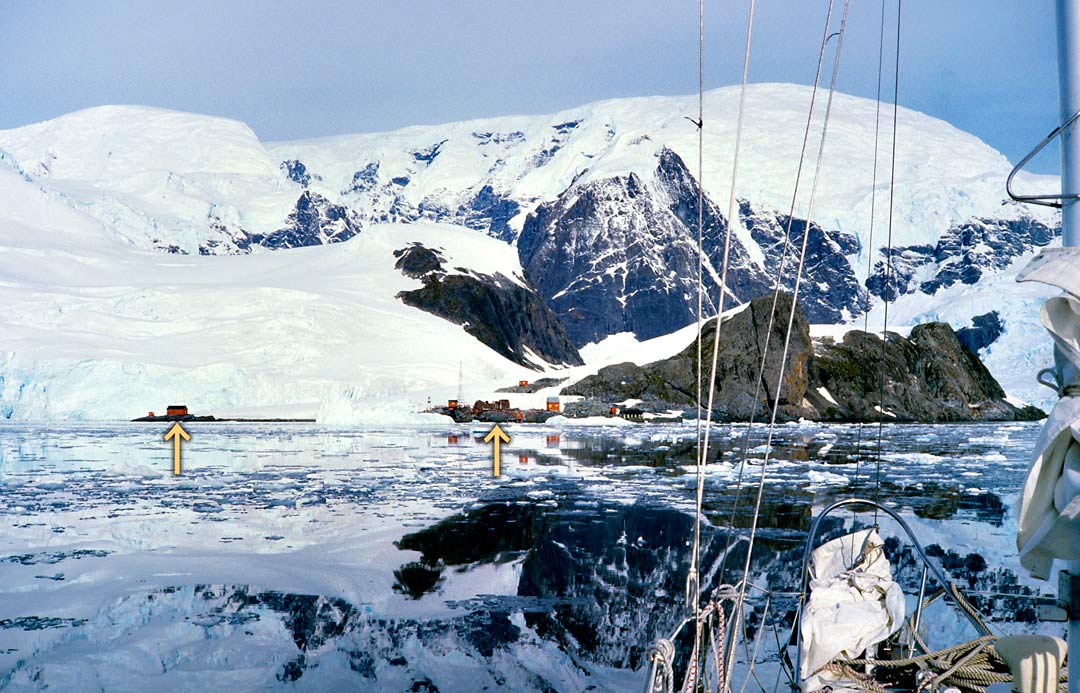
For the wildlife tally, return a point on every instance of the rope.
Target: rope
(692, 668)
(791, 316)
(976, 617)
(716, 637)
(662, 654)
(844, 670)
(969, 666)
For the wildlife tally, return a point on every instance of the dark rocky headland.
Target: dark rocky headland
(929, 376)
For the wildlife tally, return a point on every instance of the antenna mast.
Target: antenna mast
(1068, 45)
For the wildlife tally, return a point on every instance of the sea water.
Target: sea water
(301, 556)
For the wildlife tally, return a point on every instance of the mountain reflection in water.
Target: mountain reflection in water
(391, 560)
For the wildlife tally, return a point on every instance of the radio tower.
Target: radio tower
(460, 385)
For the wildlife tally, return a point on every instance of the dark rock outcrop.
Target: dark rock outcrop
(962, 254)
(502, 313)
(744, 337)
(314, 221)
(488, 211)
(363, 180)
(930, 376)
(984, 331)
(298, 173)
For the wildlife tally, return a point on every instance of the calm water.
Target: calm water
(339, 559)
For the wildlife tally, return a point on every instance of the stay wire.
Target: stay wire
(888, 256)
(693, 580)
(778, 285)
(873, 213)
(703, 443)
(725, 262)
(791, 320)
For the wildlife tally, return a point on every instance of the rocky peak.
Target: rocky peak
(314, 220)
(609, 256)
(930, 376)
(829, 291)
(963, 253)
(502, 313)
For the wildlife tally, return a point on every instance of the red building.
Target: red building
(176, 410)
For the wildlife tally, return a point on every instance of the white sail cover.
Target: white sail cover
(853, 602)
(1049, 521)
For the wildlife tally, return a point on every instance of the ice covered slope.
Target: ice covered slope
(161, 180)
(92, 329)
(1022, 349)
(171, 181)
(492, 171)
(192, 183)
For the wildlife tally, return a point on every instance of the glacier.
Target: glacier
(109, 308)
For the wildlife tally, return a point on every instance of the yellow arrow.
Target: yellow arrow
(176, 432)
(498, 435)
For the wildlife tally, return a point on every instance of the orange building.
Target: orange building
(176, 410)
(553, 404)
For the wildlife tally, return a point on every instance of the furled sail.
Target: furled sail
(853, 603)
(1049, 523)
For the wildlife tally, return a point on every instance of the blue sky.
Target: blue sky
(293, 70)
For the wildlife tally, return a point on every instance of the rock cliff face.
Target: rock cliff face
(963, 253)
(929, 377)
(314, 220)
(740, 394)
(829, 292)
(620, 255)
(502, 313)
(610, 256)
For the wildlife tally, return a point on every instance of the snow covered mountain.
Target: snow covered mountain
(94, 329)
(599, 203)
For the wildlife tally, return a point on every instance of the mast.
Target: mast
(1068, 44)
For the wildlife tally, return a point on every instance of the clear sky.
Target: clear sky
(305, 69)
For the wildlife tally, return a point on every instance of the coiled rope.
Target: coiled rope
(662, 656)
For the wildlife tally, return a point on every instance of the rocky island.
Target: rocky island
(929, 376)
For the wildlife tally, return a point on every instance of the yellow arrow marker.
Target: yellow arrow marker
(497, 435)
(176, 432)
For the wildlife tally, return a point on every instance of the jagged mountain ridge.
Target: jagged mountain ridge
(94, 329)
(194, 184)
